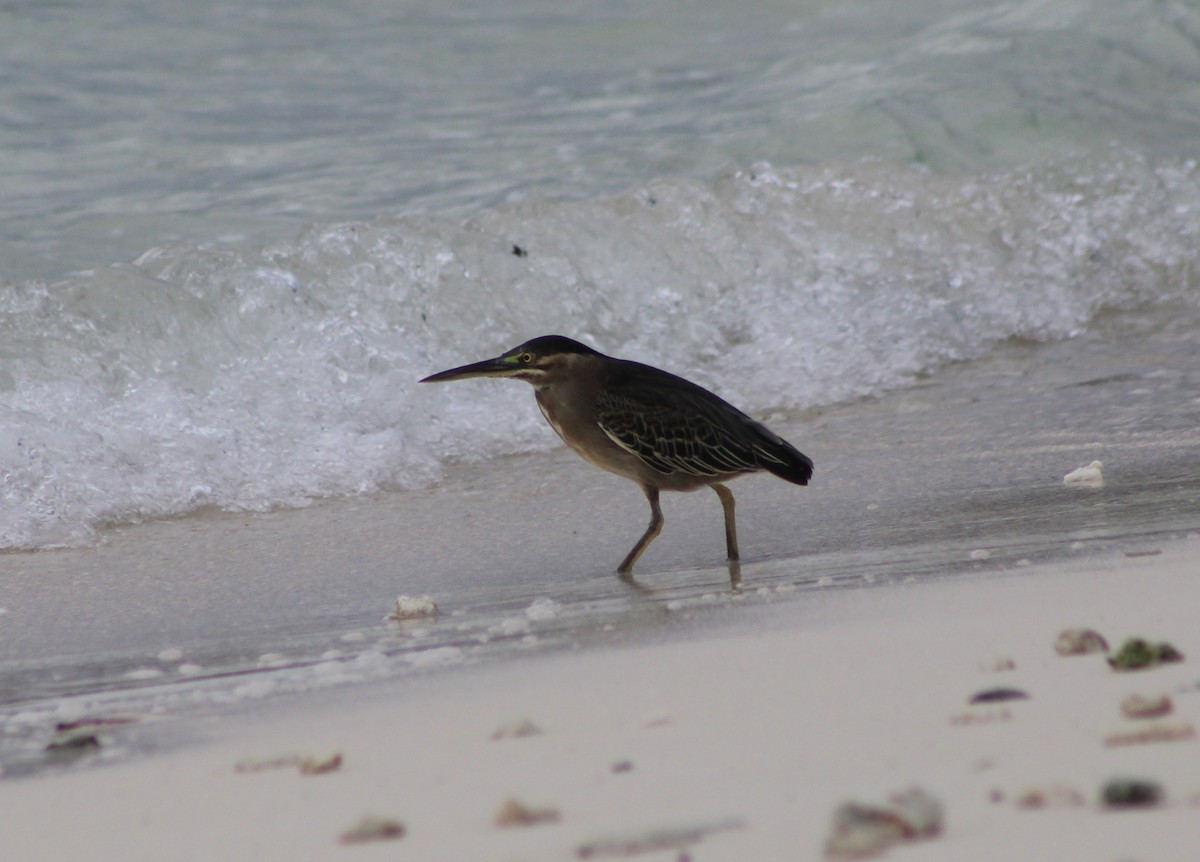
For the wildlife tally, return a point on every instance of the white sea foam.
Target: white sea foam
(543, 608)
(255, 118)
(258, 376)
(435, 657)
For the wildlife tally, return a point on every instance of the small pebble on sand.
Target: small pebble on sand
(671, 838)
(321, 765)
(1139, 654)
(516, 813)
(1138, 706)
(74, 740)
(1080, 642)
(998, 695)
(1130, 793)
(412, 608)
(1091, 476)
(1052, 796)
(861, 830)
(372, 828)
(516, 730)
(307, 764)
(1160, 732)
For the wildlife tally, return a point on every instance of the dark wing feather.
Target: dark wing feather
(675, 426)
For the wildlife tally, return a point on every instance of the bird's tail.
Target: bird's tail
(785, 461)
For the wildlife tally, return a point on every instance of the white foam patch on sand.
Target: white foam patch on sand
(543, 609)
(435, 657)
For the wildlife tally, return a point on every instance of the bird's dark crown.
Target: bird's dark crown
(548, 345)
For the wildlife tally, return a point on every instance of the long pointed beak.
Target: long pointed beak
(486, 368)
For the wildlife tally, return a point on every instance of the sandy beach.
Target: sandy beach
(853, 694)
(265, 595)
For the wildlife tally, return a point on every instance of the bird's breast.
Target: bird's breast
(577, 425)
(554, 423)
(565, 416)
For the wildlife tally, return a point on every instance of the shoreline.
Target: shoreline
(850, 694)
(956, 475)
(937, 540)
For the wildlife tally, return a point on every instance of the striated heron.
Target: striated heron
(661, 431)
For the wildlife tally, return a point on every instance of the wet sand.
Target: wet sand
(937, 540)
(852, 694)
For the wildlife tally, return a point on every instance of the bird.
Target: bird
(661, 431)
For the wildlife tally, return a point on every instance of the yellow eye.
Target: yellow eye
(526, 358)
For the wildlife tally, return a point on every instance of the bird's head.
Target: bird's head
(539, 361)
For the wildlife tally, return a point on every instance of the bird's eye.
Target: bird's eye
(526, 358)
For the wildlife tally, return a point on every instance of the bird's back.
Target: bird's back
(676, 426)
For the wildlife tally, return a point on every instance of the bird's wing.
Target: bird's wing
(675, 426)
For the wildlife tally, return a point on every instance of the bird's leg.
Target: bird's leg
(735, 575)
(726, 496)
(652, 531)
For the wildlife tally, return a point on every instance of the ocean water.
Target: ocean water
(232, 238)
